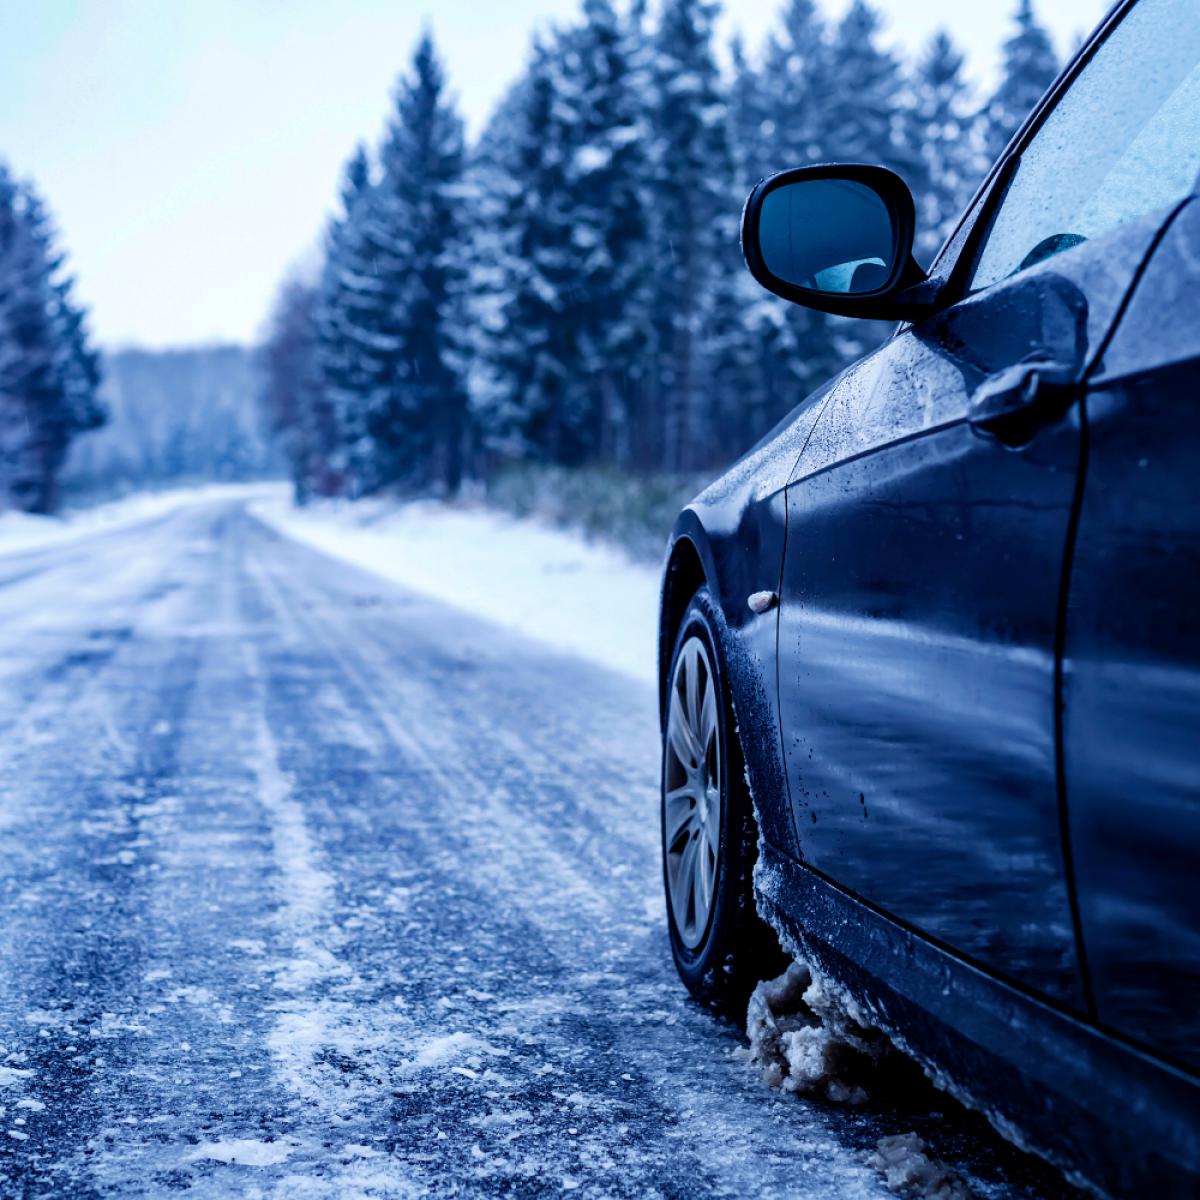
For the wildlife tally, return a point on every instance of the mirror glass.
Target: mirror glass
(827, 235)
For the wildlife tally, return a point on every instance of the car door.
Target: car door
(1132, 663)
(927, 524)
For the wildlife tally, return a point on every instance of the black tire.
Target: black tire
(737, 948)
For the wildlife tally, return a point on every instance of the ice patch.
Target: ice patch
(297, 974)
(253, 946)
(201, 997)
(439, 1051)
(249, 1152)
(907, 1169)
(11, 1075)
(807, 1035)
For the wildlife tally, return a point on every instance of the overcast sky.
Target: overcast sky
(190, 149)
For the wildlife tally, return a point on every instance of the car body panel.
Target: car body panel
(1131, 721)
(919, 622)
(735, 529)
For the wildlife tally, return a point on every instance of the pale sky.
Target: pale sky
(191, 149)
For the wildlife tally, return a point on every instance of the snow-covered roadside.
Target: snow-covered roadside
(21, 531)
(546, 583)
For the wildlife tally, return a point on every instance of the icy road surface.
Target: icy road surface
(313, 887)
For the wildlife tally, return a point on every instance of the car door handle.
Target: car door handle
(1014, 404)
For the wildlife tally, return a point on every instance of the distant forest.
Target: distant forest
(174, 416)
(155, 416)
(568, 290)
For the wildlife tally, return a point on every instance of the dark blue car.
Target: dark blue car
(930, 653)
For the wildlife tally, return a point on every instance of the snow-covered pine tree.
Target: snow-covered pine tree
(604, 165)
(526, 267)
(751, 121)
(26, 350)
(49, 372)
(866, 95)
(1029, 67)
(944, 135)
(397, 263)
(797, 86)
(490, 166)
(789, 128)
(863, 97)
(420, 183)
(76, 407)
(734, 400)
(332, 425)
(689, 193)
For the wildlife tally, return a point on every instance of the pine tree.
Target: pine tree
(943, 133)
(863, 112)
(751, 120)
(398, 263)
(604, 165)
(422, 175)
(49, 373)
(490, 167)
(77, 408)
(690, 182)
(529, 353)
(1029, 68)
(27, 354)
(347, 289)
(798, 85)
(862, 120)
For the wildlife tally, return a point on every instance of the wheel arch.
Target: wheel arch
(687, 569)
(742, 552)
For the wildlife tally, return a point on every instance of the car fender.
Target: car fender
(731, 539)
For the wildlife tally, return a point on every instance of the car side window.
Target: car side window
(1123, 141)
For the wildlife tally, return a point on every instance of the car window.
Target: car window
(1123, 141)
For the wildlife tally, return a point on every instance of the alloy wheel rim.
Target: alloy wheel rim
(691, 806)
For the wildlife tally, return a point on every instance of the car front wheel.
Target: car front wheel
(721, 947)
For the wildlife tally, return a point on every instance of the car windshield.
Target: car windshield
(1122, 142)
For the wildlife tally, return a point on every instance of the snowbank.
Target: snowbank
(907, 1169)
(807, 1035)
(549, 584)
(250, 1152)
(546, 583)
(21, 531)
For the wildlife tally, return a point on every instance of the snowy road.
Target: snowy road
(312, 887)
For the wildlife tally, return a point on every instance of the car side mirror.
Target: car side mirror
(838, 238)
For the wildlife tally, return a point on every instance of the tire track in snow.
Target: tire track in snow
(625, 1006)
(306, 893)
